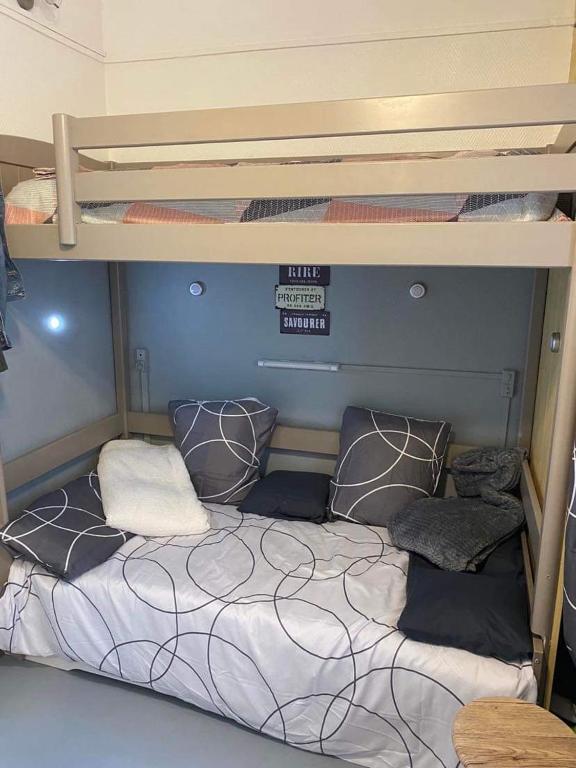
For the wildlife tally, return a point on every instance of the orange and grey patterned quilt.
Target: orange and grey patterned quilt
(34, 202)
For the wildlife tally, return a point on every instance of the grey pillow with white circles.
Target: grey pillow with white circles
(222, 443)
(386, 461)
(65, 530)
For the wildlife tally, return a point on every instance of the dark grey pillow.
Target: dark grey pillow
(484, 613)
(289, 496)
(222, 443)
(65, 531)
(385, 462)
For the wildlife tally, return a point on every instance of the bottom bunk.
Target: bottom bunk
(288, 627)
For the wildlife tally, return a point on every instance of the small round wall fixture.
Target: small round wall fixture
(418, 290)
(196, 289)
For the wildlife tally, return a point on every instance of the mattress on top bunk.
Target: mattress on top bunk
(287, 627)
(34, 202)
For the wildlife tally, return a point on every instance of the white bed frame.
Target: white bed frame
(498, 244)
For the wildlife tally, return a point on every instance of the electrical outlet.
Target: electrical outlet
(508, 382)
(141, 358)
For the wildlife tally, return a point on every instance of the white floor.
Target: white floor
(60, 719)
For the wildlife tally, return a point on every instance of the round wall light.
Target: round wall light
(418, 290)
(55, 323)
(196, 289)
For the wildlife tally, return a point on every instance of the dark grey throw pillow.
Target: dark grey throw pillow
(485, 613)
(65, 531)
(289, 496)
(222, 443)
(385, 462)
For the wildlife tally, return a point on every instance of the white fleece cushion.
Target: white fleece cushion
(146, 489)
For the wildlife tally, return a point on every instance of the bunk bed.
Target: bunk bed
(495, 243)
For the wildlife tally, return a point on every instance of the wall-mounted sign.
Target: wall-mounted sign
(301, 297)
(292, 274)
(305, 323)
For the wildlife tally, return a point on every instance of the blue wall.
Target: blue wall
(207, 347)
(472, 320)
(57, 380)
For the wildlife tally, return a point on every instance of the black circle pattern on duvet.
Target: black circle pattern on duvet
(288, 628)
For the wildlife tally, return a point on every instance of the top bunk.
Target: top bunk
(356, 209)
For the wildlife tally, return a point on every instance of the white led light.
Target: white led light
(299, 365)
(54, 323)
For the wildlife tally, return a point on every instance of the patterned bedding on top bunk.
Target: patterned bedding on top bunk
(34, 202)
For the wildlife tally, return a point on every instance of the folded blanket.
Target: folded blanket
(454, 534)
(146, 489)
(489, 473)
(457, 534)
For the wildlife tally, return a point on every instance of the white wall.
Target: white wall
(55, 383)
(287, 52)
(146, 29)
(45, 69)
(169, 55)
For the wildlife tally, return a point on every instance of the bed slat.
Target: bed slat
(53, 455)
(516, 174)
(467, 244)
(494, 108)
(532, 510)
(324, 442)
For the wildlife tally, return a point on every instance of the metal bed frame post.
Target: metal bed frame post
(3, 496)
(5, 559)
(67, 165)
(545, 620)
(118, 299)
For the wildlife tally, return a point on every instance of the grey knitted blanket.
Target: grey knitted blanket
(489, 473)
(458, 533)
